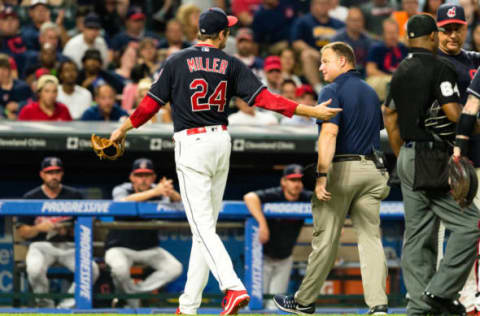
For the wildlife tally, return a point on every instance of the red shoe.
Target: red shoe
(178, 312)
(233, 301)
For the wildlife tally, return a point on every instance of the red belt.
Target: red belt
(201, 130)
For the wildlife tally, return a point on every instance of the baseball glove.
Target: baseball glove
(463, 180)
(105, 148)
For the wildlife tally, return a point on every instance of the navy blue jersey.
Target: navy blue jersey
(199, 82)
(466, 64)
(283, 232)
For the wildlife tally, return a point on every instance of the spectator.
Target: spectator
(244, 10)
(173, 36)
(375, 12)
(89, 38)
(272, 68)
(188, 15)
(39, 12)
(384, 57)
(148, 55)
(49, 33)
(92, 73)
(80, 15)
(12, 42)
(355, 36)
(278, 236)
(13, 92)
(246, 51)
(126, 60)
(338, 11)
(47, 58)
(410, 8)
(288, 61)
(304, 95)
(129, 95)
(46, 108)
(431, 7)
(289, 89)
(271, 25)
(76, 98)
(51, 242)
(106, 109)
(134, 31)
(125, 247)
(310, 33)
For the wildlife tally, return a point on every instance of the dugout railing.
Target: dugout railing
(87, 210)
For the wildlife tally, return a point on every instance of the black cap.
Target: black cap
(51, 163)
(92, 53)
(92, 21)
(142, 165)
(450, 13)
(421, 25)
(214, 20)
(293, 171)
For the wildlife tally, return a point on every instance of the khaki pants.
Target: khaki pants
(357, 188)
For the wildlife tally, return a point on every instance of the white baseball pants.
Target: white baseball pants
(40, 256)
(202, 162)
(276, 275)
(120, 260)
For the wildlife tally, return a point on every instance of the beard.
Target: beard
(53, 184)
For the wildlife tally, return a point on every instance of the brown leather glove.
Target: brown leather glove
(105, 148)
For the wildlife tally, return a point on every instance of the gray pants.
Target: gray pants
(357, 189)
(422, 215)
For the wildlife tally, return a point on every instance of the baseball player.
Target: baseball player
(278, 235)
(199, 82)
(124, 247)
(451, 18)
(52, 242)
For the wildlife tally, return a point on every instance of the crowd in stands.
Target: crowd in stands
(94, 60)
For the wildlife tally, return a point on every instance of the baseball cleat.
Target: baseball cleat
(448, 306)
(178, 312)
(378, 310)
(289, 305)
(233, 301)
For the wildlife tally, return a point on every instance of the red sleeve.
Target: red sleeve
(275, 102)
(145, 111)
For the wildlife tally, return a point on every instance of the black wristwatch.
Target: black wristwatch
(320, 174)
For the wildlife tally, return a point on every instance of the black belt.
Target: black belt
(352, 158)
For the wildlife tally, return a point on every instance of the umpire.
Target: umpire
(420, 80)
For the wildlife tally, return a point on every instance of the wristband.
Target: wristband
(462, 143)
(465, 124)
(320, 174)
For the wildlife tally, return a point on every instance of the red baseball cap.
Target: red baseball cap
(135, 13)
(272, 63)
(304, 89)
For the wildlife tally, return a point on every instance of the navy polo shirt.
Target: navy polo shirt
(93, 114)
(272, 25)
(360, 122)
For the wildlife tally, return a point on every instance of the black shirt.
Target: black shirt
(199, 81)
(283, 232)
(420, 80)
(67, 193)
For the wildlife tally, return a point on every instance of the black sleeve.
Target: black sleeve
(446, 89)
(246, 84)
(161, 89)
(25, 220)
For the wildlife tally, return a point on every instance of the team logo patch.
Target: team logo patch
(451, 12)
(143, 165)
